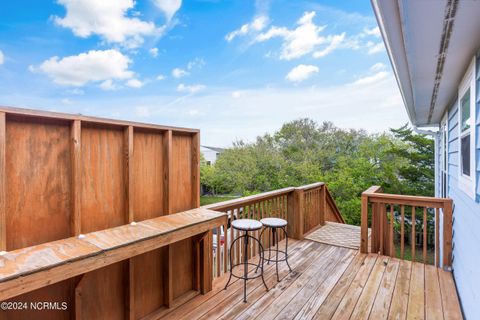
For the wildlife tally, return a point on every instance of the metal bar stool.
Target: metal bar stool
(274, 224)
(246, 225)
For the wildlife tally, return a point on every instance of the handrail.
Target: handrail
(382, 223)
(249, 199)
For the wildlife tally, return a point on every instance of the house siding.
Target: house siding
(466, 215)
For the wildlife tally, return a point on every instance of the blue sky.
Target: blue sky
(234, 69)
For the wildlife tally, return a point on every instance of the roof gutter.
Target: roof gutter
(426, 132)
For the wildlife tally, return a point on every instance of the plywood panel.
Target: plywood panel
(103, 293)
(181, 173)
(148, 203)
(181, 190)
(38, 173)
(103, 196)
(148, 283)
(60, 294)
(148, 175)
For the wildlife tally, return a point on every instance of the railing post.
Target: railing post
(375, 243)
(447, 234)
(323, 204)
(364, 225)
(295, 214)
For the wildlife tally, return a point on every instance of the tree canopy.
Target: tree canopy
(348, 161)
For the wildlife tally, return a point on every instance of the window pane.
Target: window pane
(466, 155)
(465, 110)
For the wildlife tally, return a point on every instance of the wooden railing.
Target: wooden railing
(392, 214)
(305, 208)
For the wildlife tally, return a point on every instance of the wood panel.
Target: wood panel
(181, 190)
(181, 173)
(103, 196)
(38, 174)
(148, 175)
(64, 175)
(148, 170)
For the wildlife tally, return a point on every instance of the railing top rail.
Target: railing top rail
(310, 186)
(248, 200)
(375, 196)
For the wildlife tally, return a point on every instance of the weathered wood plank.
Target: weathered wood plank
(450, 303)
(347, 305)
(329, 306)
(367, 298)
(3, 214)
(311, 307)
(416, 299)
(398, 307)
(383, 299)
(433, 297)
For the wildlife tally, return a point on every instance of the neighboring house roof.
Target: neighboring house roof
(219, 150)
(430, 44)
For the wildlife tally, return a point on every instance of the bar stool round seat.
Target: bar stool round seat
(247, 226)
(274, 222)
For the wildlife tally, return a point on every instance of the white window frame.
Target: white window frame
(444, 140)
(467, 183)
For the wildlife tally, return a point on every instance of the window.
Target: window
(465, 133)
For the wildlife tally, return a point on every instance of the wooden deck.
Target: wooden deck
(331, 282)
(337, 234)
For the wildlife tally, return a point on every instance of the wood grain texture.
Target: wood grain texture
(103, 185)
(38, 176)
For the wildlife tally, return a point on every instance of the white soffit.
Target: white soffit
(414, 32)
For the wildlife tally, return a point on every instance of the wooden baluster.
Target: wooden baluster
(425, 228)
(217, 253)
(437, 239)
(402, 233)
(391, 246)
(225, 247)
(382, 218)
(232, 238)
(255, 234)
(413, 234)
(237, 244)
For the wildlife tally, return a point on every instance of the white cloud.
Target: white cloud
(179, 73)
(375, 48)
(153, 52)
(161, 77)
(301, 73)
(169, 7)
(371, 79)
(194, 112)
(108, 85)
(375, 31)
(378, 67)
(2, 59)
(196, 63)
(107, 18)
(238, 94)
(134, 83)
(258, 24)
(92, 66)
(190, 88)
(304, 39)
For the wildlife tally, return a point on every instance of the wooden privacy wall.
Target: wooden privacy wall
(64, 175)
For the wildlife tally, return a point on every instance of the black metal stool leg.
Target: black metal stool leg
(261, 252)
(275, 235)
(245, 266)
(286, 248)
(231, 262)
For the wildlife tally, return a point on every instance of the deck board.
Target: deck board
(331, 282)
